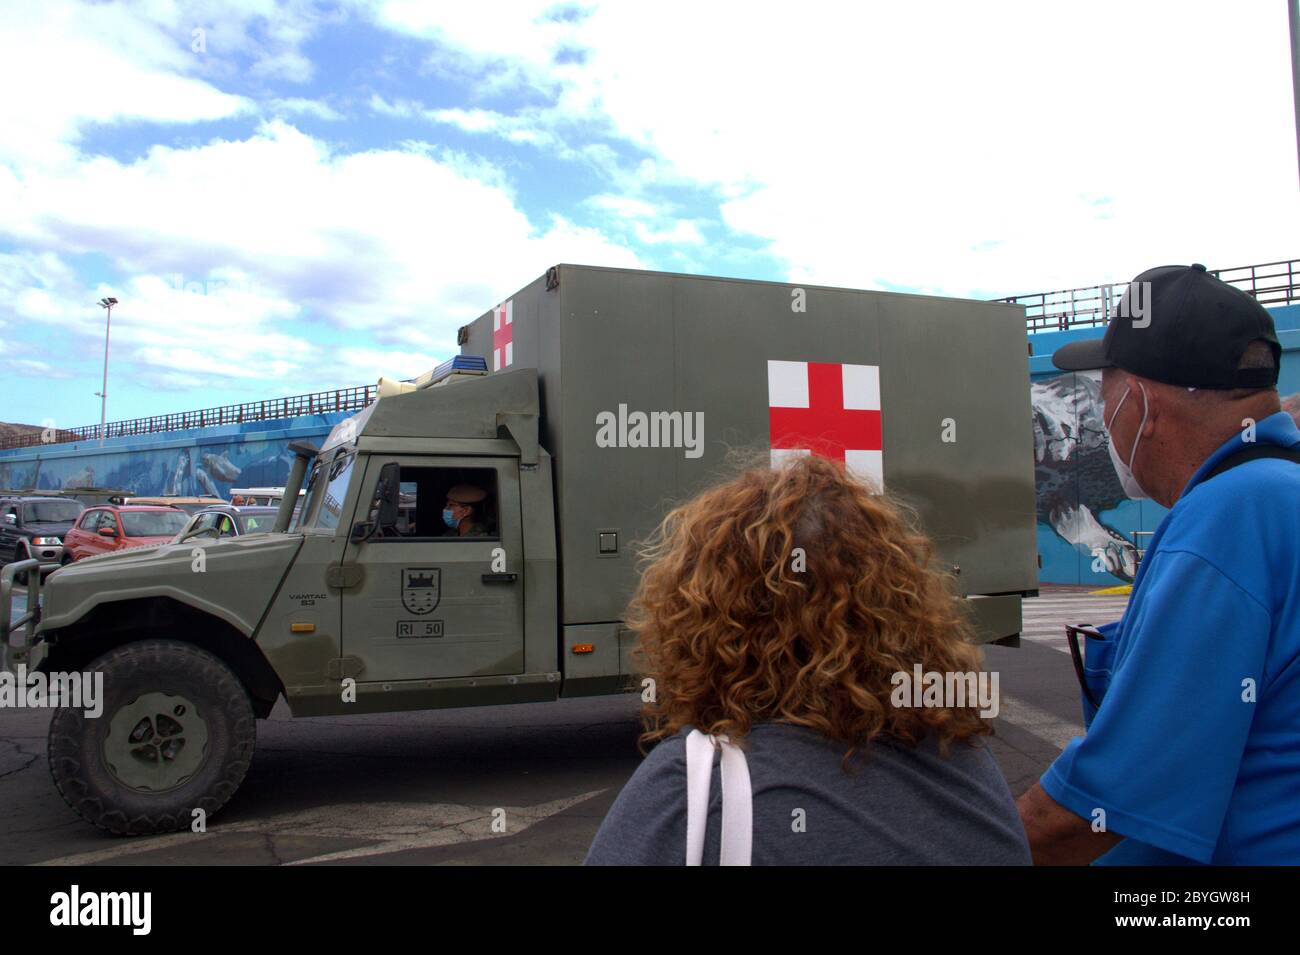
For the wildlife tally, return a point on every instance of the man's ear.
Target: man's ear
(1157, 402)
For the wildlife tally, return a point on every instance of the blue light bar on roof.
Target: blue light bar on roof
(465, 364)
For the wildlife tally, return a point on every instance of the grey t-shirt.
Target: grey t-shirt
(895, 806)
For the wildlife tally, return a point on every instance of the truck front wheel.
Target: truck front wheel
(175, 735)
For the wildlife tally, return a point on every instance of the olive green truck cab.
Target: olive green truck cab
(577, 413)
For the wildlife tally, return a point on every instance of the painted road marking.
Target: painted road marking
(385, 826)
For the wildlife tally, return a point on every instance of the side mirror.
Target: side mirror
(107, 532)
(11, 518)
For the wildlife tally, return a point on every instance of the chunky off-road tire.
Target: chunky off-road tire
(176, 734)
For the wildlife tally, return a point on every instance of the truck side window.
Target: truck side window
(424, 494)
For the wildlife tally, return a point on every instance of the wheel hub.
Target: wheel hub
(156, 742)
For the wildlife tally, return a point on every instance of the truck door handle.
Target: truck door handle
(500, 578)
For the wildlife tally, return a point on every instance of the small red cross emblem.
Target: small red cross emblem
(503, 336)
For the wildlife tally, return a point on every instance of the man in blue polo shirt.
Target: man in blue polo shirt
(1192, 754)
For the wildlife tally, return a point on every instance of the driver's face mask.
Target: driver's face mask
(1122, 469)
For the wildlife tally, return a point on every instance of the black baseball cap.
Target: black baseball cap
(1182, 326)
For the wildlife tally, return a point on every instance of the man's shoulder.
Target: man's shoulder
(1250, 497)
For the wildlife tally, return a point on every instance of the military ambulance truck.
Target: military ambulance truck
(469, 538)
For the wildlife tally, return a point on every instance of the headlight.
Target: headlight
(46, 541)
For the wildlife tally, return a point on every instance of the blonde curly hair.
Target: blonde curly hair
(794, 594)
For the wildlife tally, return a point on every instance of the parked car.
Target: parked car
(35, 527)
(187, 504)
(228, 520)
(86, 496)
(102, 530)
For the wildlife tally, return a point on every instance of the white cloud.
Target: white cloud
(306, 107)
(955, 148)
(624, 207)
(682, 233)
(501, 45)
(528, 128)
(651, 224)
(965, 148)
(395, 246)
(64, 66)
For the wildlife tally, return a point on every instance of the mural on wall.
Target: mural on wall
(1079, 494)
(1073, 475)
(212, 467)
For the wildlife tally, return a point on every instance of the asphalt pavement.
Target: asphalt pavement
(525, 784)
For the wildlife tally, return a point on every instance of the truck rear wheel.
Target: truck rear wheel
(176, 734)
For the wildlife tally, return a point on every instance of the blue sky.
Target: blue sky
(299, 196)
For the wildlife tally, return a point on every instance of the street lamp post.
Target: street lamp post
(105, 303)
(1293, 10)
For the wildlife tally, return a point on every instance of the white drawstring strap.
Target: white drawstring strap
(737, 799)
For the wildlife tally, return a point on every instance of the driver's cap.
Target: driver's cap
(466, 494)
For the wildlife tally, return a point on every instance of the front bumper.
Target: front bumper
(50, 556)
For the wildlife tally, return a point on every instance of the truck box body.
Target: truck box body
(950, 384)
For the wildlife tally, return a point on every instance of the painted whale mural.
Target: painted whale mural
(1073, 474)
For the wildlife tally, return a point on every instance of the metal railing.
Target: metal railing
(1272, 283)
(295, 406)
(1137, 544)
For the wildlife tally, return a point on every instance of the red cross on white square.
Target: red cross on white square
(828, 409)
(503, 335)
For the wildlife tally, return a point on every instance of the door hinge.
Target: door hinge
(344, 576)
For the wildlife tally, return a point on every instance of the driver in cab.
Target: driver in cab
(462, 512)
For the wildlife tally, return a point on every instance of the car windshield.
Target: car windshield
(52, 511)
(256, 523)
(152, 523)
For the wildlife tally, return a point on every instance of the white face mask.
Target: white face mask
(1125, 471)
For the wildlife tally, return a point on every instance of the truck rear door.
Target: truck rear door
(432, 603)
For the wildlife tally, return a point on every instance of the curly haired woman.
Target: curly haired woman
(777, 610)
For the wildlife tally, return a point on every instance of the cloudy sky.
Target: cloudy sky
(299, 196)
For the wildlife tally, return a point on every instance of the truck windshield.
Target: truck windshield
(326, 491)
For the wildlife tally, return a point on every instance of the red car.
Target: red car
(108, 528)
